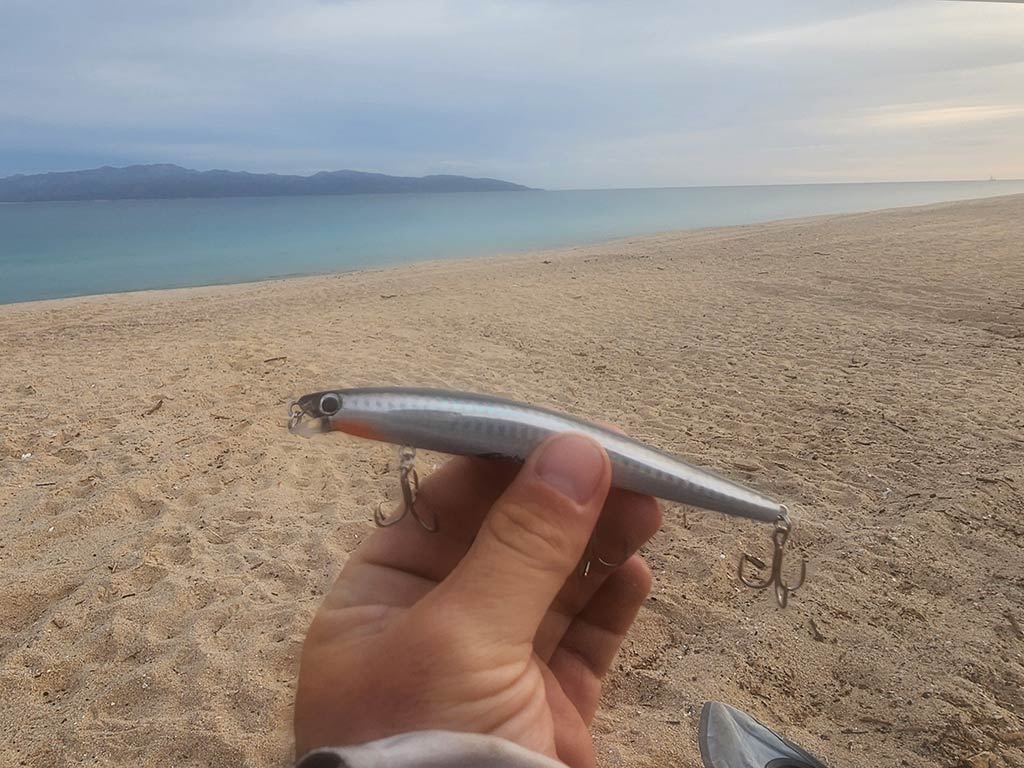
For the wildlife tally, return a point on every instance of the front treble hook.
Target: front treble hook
(783, 527)
(409, 481)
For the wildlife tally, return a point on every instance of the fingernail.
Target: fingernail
(572, 465)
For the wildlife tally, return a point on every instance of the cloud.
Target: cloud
(947, 116)
(557, 94)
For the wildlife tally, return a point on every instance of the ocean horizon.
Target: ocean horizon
(62, 249)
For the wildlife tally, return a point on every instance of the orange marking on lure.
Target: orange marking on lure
(356, 427)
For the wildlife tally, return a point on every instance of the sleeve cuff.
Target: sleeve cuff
(429, 749)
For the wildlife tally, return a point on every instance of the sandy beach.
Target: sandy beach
(165, 540)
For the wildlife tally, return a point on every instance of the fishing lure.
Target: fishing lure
(481, 425)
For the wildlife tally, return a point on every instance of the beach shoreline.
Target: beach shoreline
(166, 539)
(110, 259)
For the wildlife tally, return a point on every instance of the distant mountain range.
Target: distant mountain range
(172, 181)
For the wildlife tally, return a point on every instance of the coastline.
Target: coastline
(441, 263)
(155, 245)
(166, 540)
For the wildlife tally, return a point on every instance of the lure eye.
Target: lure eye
(330, 404)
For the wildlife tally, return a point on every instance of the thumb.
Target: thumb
(533, 538)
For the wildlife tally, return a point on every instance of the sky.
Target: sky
(561, 94)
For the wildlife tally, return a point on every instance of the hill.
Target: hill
(171, 181)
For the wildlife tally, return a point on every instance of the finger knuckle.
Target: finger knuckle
(533, 533)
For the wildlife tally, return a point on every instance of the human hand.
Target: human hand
(486, 626)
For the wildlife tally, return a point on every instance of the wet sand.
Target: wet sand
(165, 540)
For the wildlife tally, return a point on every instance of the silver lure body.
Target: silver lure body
(481, 425)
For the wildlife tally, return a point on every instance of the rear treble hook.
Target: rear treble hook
(409, 481)
(780, 534)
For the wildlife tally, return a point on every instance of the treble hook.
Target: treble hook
(780, 534)
(409, 482)
(589, 557)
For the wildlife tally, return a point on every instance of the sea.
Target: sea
(53, 250)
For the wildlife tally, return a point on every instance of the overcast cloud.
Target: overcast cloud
(553, 94)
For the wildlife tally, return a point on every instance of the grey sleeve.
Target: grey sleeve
(429, 749)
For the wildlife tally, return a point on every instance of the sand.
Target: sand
(165, 540)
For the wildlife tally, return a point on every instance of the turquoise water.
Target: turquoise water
(50, 250)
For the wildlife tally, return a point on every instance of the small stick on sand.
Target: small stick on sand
(276, 359)
(1016, 625)
(155, 408)
(900, 427)
(815, 632)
